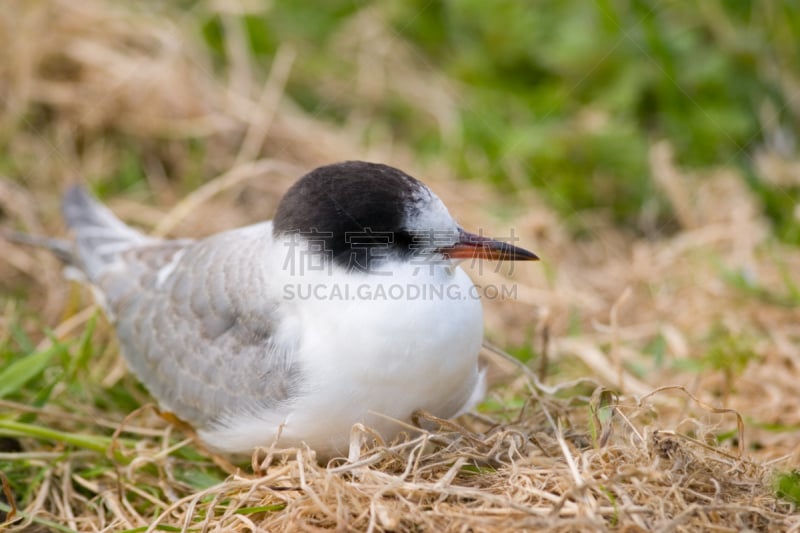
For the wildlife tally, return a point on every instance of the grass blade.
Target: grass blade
(20, 372)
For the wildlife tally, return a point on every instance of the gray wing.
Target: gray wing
(191, 321)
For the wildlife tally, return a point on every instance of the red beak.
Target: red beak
(472, 246)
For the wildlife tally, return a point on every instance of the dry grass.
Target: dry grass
(574, 456)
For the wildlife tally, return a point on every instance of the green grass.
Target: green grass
(570, 95)
(567, 97)
(58, 393)
(787, 486)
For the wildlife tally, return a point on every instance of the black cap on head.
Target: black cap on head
(351, 206)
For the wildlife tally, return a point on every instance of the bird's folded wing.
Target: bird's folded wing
(198, 329)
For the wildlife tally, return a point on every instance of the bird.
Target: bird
(290, 331)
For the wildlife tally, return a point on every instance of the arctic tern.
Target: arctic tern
(295, 329)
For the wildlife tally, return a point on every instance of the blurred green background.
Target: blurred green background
(568, 96)
(565, 96)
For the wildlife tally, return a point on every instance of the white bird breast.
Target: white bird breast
(370, 353)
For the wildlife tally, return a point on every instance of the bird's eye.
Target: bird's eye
(402, 238)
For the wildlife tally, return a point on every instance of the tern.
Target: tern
(348, 307)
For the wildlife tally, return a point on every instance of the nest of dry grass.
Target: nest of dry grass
(539, 471)
(573, 456)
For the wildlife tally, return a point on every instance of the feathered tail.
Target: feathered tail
(59, 247)
(99, 235)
